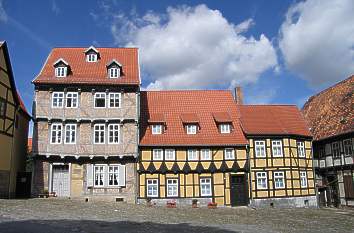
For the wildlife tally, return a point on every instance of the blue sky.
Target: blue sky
(278, 51)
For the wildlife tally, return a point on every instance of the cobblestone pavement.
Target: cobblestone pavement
(77, 216)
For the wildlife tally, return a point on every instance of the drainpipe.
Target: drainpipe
(137, 146)
(314, 177)
(249, 171)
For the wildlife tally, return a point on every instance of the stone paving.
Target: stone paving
(77, 216)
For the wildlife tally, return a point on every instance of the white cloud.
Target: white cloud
(194, 47)
(55, 7)
(3, 14)
(317, 40)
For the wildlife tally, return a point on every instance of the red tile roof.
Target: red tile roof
(82, 72)
(29, 145)
(157, 118)
(22, 105)
(222, 117)
(189, 118)
(331, 112)
(202, 104)
(273, 120)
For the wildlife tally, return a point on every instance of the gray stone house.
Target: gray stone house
(85, 136)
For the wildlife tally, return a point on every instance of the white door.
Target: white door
(61, 180)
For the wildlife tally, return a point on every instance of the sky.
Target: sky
(279, 52)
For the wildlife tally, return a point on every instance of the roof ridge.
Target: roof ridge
(95, 47)
(187, 90)
(268, 105)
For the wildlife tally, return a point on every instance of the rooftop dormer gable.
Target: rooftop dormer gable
(61, 68)
(114, 69)
(92, 54)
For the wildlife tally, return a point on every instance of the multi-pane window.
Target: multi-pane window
(229, 153)
(348, 148)
(2, 107)
(57, 99)
(92, 57)
(70, 134)
(303, 179)
(301, 149)
(279, 180)
(100, 100)
(192, 154)
(72, 99)
(205, 154)
(259, 147)
(191, 129)
(99, 133)
(56, 130)
(156, 129)
(277, 148)
(99, 174)
(61, 71)
(205, 187)
(114, 72)
(113, 175)
(225, 128)
(262, 182)
(152, 188)
(170, 154)
(172, 188)
(114, 100)
(113, 133)
(336, 149)
(157, 154)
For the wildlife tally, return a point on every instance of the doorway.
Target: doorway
(239, 190)
(60, 181)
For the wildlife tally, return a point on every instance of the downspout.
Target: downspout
(137, 145)
(249, 172)
(314, 177)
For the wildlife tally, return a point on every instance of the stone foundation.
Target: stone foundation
(202, 202)
(306, 201)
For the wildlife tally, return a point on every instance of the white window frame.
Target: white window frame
(154, 185)
(262, 180)
(261, 144)
(334, 148)
(156, 129)
(301, 149)
(114, 95)
(71, 130)
(349, 146)
(279, 178)
(111, 174)
(157, 154)
(74, 96)
(191, 129)
(228, 156)
(60, 96)
(193, 152)
(61, 71)
(113, 128)
(170, 154)
(101, 173)
(91, 57)
(205, 154)
(58, 133)
(303, 179)
(172, 185)
(225, 128)
(205, 187)
(276, 146)
(99, 95)
(114, 72)
(99, 130)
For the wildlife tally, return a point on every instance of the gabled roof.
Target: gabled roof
(222, 117)
(273, 120)
(94, 73)
(331, 112)
(60, 60)
(173, 104)
(189, 118)
(91, 48)
(113, 62)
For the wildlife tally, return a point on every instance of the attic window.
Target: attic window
(225, 128)
(91, 57)
(114, 72)
(191, 128)
(61, 71)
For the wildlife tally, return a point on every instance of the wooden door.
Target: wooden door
(239, 190)
(61, 180)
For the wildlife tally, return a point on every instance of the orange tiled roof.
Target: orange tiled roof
(202, 104)
(222, 117)
(29, 145)
(331, 112)
(22, 105)
(273, 120)
(156, 118)
(82, 72)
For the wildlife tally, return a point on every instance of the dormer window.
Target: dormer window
(191, 129)
(225, 128)
(156, 129)
(91, 57)
(114, 72)
(61, 71)
(114, 69)
(92, 54)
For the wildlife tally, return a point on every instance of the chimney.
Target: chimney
(238, 95)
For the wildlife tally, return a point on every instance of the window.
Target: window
(301, 149)
(172, 188)
(192, 154)
(225, 128)
(348, 148)
(279, 180)
(72, 99)
(99, 131)
(56, 134)
(70, 134)
(57, 99)
(2, 107)
(92, 57)
(261, 180)
(157, 154)
(229, 153)
(205, 154)
(114, 72)
(99, 175)
(113, 175)
(191, 129)
(156, 129)
(205, 187)
(113, 134)
(303, 179)
(114, 100)
(152, 188)
(61, 71)
(100, 100)
(277, 148)
(170, 154)
(336, 149)
(259, 147)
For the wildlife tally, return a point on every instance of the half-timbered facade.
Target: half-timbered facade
(86, 123)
